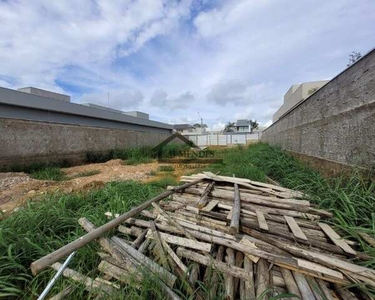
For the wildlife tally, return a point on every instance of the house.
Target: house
(296, 94)
(243, 126)
(240, 126)
(187, 129)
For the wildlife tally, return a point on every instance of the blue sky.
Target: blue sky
(172, 59)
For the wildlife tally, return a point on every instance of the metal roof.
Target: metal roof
(242, 122)
(182, 126)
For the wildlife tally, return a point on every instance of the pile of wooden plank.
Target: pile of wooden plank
(245, 239)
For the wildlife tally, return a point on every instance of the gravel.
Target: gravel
(7, 180)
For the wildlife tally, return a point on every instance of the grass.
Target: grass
(51, 223)
(135, 155)
(48, 173)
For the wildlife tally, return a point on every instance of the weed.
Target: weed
(49, 173)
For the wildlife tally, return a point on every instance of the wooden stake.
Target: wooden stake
(236, 211)
(247, 289)
(239, 261)
(262, 280)
(290, 283)
(229, 280)
(303, 286)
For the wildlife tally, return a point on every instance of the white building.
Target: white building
(296, 94)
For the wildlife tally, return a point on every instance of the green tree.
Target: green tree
(253, 125)
(229, 127)
(353, 57)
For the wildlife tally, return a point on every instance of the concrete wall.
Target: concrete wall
(337, 123)
(23, 142)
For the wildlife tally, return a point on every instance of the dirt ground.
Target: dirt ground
(17, 188)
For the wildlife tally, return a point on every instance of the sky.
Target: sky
(181, 60)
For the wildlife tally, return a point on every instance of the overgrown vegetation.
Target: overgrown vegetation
(38, 166)
(44, 226)
(135, 155)
(48, 173)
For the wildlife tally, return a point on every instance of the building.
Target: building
(42, 126)
(243, 126)
(240, 126)
(187, 129)
(184, 128)
(45, 94)
(296, 94)
(44, 106)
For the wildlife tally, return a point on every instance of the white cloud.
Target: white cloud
(40, 37)
(118, 99)
(161, 100)
(170, 58)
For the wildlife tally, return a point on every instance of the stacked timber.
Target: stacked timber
(240, 238)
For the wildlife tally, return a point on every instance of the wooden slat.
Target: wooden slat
(210, 206)
(261, 220)
(336, 239)
(248, 243)
(184, 242)
(297, 231)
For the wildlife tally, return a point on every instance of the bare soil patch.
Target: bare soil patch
(17, 188)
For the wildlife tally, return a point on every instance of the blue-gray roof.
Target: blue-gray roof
(242, 122)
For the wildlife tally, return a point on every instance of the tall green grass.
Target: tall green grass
(49, 173)
(135, 155)
(45, 226)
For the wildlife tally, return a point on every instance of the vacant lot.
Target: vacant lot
(50, 223)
